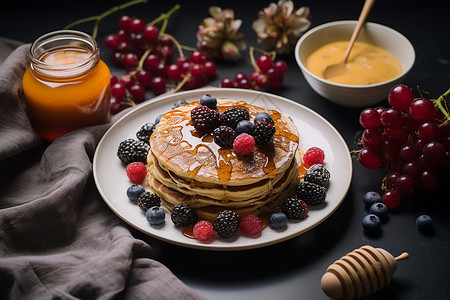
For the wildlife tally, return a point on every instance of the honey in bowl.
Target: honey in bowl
(67, 85)
(367, 64)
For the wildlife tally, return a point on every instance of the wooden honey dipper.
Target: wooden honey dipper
(360, 273)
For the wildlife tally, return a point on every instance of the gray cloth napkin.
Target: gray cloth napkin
(58, 239)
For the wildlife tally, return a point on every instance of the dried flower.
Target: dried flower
(218, 36)
(280, 26)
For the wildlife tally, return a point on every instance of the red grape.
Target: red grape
(391, 118)
(369, 118)
(370, 158)
(405, 185)
(422, 109)
(428, 131)
(392, 199)
(400, 97)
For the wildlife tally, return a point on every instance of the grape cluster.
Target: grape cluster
(148, 58)
(267, 74)
(412, 138)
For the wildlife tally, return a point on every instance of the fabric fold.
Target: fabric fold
(58, 238)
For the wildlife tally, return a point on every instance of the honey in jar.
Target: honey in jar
(67, 85)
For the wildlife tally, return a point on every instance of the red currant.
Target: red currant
(151, 33)
(125, 22)
(137, 25)
(264, 63)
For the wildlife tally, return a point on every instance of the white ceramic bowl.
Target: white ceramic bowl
(375, 34)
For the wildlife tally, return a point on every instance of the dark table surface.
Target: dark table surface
(293, 269)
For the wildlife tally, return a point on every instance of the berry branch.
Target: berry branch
(100, 17)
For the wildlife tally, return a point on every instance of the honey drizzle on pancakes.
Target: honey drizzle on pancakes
(184, 134)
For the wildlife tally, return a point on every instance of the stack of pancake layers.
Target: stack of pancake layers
(187, 166)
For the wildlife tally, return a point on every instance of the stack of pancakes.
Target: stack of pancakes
(186, 166)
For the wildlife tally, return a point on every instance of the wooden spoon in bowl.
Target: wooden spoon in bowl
(340, 68)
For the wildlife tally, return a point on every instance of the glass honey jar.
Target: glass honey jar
(67, 85)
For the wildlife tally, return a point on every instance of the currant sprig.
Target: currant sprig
(99, 18)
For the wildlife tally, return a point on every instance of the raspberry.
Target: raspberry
(205, 119)
(314, 155)
(263, 132)
(136, 172)
(251, 225)
(233, 116)
(224, 136)
(203, 231)
(244, 144)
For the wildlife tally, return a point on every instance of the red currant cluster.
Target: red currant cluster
(267, 74)
(147, 54)
(412, 137)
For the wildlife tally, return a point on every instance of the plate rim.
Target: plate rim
(211, 246)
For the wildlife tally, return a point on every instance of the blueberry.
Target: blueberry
(264, 117)
(179, 103)
(370, 198)
(371, 224)
(158, 118)
(134, 191)
(278, 220)
(208, 100)
(424, 223)
(155, 215)
(381, 210)
(245, 126)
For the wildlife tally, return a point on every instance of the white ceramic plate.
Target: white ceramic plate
(112, 181)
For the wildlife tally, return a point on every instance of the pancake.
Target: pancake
(186, 166)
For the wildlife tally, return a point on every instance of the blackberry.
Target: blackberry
(263, 132)
(232, 116)
(131, 150)
(147, 200)
(183, 215)
(224, 136)
(295, 208)
(311, 193)
(205, 119)
(145, 132)
(226, 223)
(318, 174)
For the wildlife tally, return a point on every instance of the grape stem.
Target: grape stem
(441, 104)
(100, 17)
